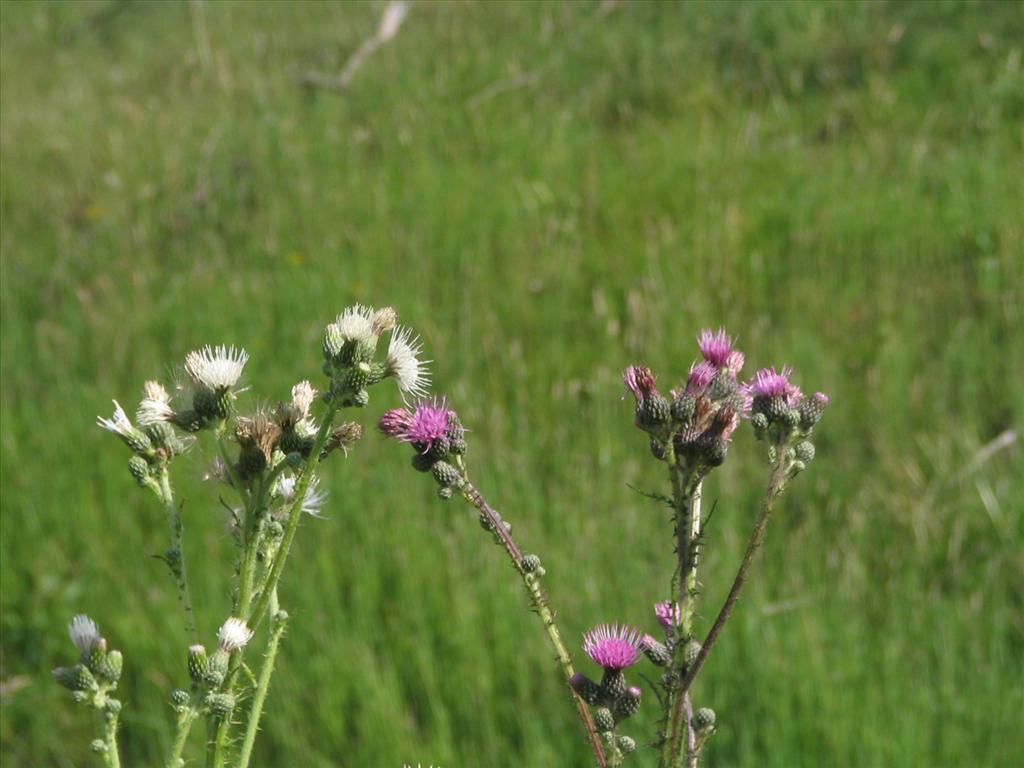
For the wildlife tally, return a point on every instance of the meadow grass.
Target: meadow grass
(547, 193)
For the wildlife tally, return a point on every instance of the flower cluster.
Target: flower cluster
(696, 424)
(95, 676)
(784, 417)
(614, 648)
(437, 437)
(350, 346)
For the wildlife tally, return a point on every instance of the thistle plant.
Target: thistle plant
(690, 431)
(267, 460)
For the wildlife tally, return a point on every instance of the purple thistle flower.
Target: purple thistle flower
(395, 422)
(715, 347)
(701, 375)
(735, 362)
(821, 399)
(775, 385)
(668, 615)
(428, 423)
(640, 381)
(613, 646)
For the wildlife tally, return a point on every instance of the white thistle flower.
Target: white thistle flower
(303, 395)
(233, 634)
(84, 633)
(404, 364)
(155, 406)
(314, 499)
(120, 424)
(216, 367)
(356, 324)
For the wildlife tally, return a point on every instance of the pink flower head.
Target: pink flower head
(821, 399)
(775, 385)
(640, 381)
(715, 346)
(428, 422)
(395, 422)
(701, 375)
(613, 646)
(668, 615)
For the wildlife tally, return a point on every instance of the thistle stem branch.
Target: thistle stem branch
(176, 560)
(185, 719)
(775, 487)
(540, 604)
(263, 683)
(111, 756)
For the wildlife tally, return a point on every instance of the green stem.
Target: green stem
(294, 514)
(540, 605)
(263, 684)
(775, 487)
(176, 559)
(686, 498)
(185, 720)
(111, 756)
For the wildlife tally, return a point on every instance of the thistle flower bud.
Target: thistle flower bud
(384, 320)
(111, 708)
(627, 704)
(198, 663)
(98, 747)
(139, 469)
(653, 411)
(80, 697)
(334, 342)
(532, 564)
(804, 451)
(657, 652)
(658, 449)
(216, 668)
(161, 434)
(703, 719)
(812, 409)
(180, 698)
(587, 689)
(613, 684)
(76, 678)
(120, 425)
(626, 745)
(446, 474)
(683, 406)
(233, 635)
(344, 437)
(603, 719)
(445, 492)
(220, 704)
(109, 669)
(759, 421)
(421, 462)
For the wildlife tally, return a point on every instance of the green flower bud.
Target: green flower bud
(98, 747)
(80, 697)
(458, 446)
(805, 451)
(421, 462)
(359, 399)
(791, 418)
(180, 698)
(188, 420)
(446, 474)
(358, 377)
(683, 407)
(439, 448)
(110, 669)
(587, 689)
(139, 469)
(658, 653)
(445, 492)
(721, 387)
(628, 703)
(216, 668)
(112, 707)
(531, 564)
(95, 659)
(76, 678)
(760, 424)
(797, 467)
(161, 433)
(703, 719)
(653, 411)
(204, 402)
(603, 719)
(136, 440)
(198, 663)
(220, 704)
(251, 462)
(626, 745)
(613, 684)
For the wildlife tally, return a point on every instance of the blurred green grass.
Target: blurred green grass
(547, 193)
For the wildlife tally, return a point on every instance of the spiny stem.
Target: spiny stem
(263, 683)
(294, 514)
(775, 486)
(184, 726)
(178, 555)
(540, 604)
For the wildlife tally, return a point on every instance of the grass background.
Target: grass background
(547, 193)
